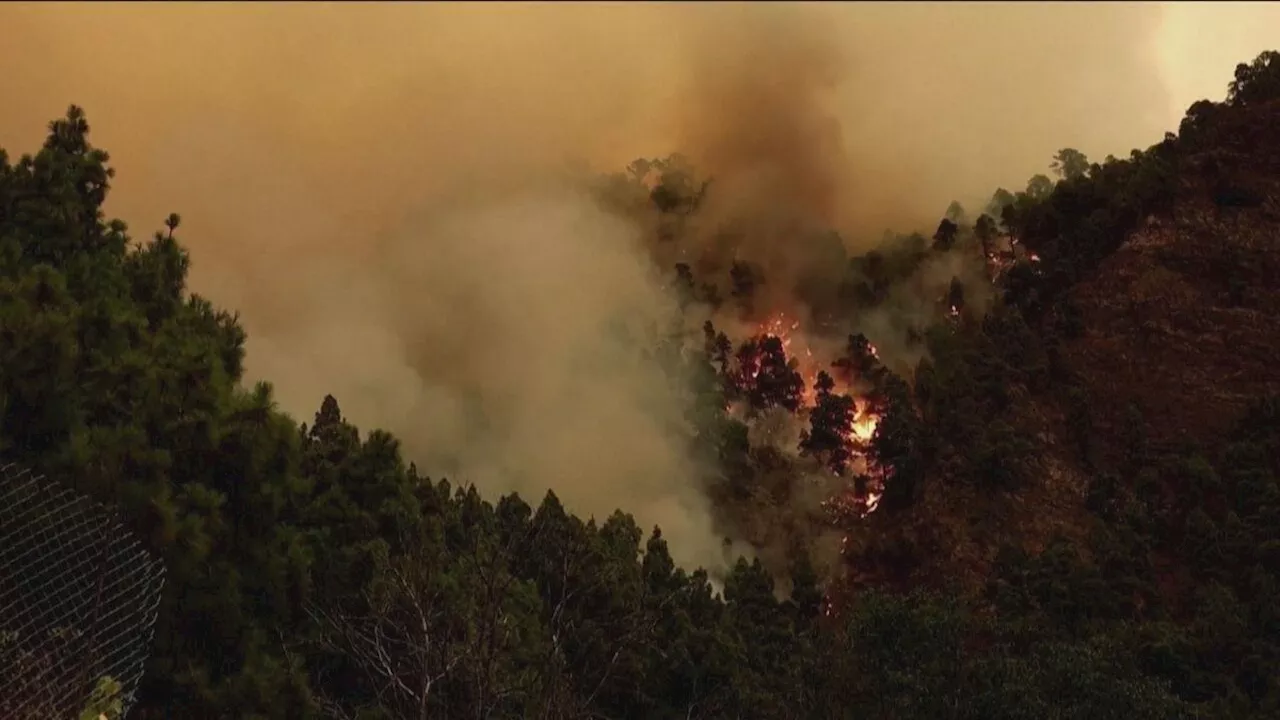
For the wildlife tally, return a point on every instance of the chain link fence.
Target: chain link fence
(78, 602)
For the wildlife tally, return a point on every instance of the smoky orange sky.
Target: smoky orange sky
(228, 112)
(377, 188)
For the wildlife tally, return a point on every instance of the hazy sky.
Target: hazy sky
(469, 88)
(1200, 43)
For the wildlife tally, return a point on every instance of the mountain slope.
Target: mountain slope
(1147, 513)
(1183, 319)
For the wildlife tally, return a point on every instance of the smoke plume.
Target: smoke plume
(381, 189)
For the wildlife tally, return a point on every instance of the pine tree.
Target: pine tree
(829, 436)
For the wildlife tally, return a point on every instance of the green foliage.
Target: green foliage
(104, 702)
(1039, 187)
(897, 446)
(1256, 82)
(1072, 226)
(1070, 164)
(925, 657)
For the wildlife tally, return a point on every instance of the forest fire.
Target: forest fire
(808, 365)
(838, 400)
(858, 426)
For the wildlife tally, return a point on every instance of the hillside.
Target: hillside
(1181, 321)
(1157, 343)
(1147, 385)
(1025, 467)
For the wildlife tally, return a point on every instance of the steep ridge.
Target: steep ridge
(1181, 322)
(1152, 330)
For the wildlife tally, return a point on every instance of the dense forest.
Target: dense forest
(999, 532)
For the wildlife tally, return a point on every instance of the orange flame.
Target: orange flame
(864, 423)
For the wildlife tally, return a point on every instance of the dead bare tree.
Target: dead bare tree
(436, 633)
(449, 629)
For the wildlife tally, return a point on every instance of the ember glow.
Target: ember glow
(864, 426)
(787, 330)
(851, 502)
(844, 459)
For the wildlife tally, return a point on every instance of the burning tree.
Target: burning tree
(860, 362)
(830, 433)
(766, 377)
(895, 445)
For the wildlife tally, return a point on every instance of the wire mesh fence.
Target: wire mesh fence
(78, 602)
